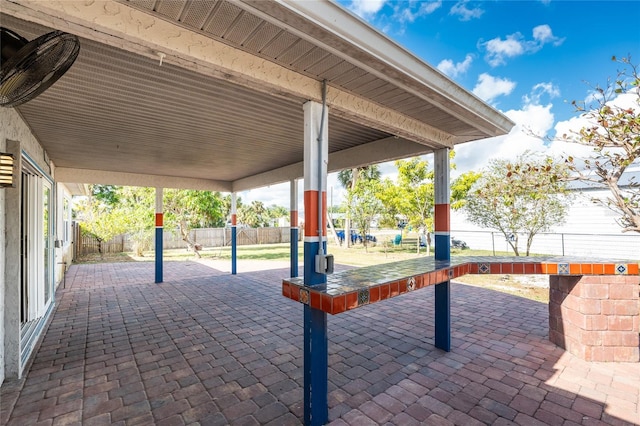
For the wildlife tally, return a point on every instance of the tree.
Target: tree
(254, 215)
(614, 133)
(101, 217)
(348, 178)
(186, 209)
(138, 205)
(520, 196)
(275, 213)
(365, 205)
(115, 210)
(108, 194)
(412, 195)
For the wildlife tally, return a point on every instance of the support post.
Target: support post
(159, 234)
(442, 248)
(234, 242)
(316, 153)
(293, 207)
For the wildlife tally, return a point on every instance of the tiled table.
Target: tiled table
(357, 287)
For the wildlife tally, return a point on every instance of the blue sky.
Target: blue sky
(528, 59)
(511, 53)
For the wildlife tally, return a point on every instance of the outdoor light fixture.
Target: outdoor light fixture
(6, 171)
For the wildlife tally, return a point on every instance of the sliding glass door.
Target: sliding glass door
(37, 283)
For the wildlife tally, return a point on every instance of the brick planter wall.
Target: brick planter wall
(596, 318)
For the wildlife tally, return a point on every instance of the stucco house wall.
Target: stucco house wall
(3, 241)
(16, 138)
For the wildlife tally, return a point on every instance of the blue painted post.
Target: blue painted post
(234, 245)
(316, 153)
(159, 236)
(294, 227)
(442, 248)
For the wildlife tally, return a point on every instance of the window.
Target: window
(66, 221)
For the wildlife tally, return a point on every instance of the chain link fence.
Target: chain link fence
(613, 246)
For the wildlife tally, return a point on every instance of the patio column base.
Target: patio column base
(596, 318)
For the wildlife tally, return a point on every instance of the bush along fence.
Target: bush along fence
(205, 237)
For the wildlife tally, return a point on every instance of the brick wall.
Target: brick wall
(596, 318)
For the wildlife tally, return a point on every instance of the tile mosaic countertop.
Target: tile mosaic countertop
(356, 287)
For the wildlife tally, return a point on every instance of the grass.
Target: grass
(518, 285)
(358, 255)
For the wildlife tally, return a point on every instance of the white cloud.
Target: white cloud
(489, 87)
(408, 12)
(543, 35)
(513, 45)
(466, 13)
(548, 88)
(366, 8)
(540, 90)
(278, 194)
(452, 69)
(561, 148)
(574, 124)
(498, 49)
(533, 118)
(536, 119)
(430, 6)
(569, 130)
(476, 155)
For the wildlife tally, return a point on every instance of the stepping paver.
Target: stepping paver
(211, 348)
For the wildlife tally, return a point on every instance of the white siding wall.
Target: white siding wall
(590, 230)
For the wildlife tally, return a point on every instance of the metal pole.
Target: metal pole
(159, 234)
(293, 206)
(443, 247)
(234, 242)
(316, 409)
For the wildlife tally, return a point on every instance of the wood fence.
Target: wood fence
(206, 237)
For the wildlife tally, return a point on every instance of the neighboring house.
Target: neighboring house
(590, 228)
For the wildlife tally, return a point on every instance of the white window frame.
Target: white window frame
(38, 275)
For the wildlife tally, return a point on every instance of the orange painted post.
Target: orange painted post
(443, 248)
(159, 235)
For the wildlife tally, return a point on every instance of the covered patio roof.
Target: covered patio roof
(209, 95)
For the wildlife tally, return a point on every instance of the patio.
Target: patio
(212, 348)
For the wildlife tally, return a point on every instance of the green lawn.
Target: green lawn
(358, 255)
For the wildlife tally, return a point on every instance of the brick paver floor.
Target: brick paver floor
(211, 348)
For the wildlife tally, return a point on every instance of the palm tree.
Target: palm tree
(348, 179)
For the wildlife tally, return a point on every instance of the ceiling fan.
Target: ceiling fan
(28, 68)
